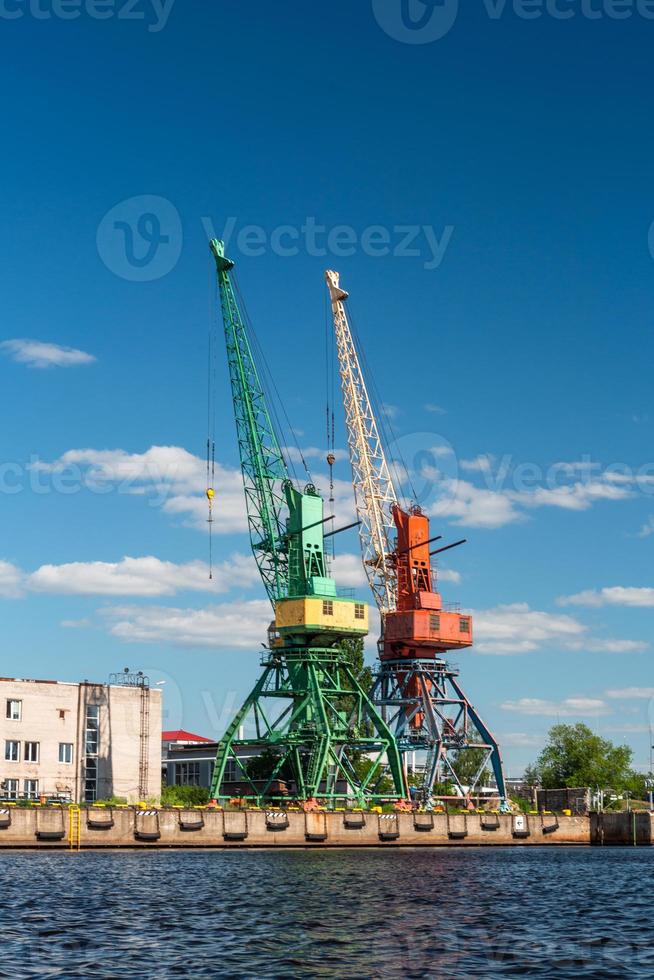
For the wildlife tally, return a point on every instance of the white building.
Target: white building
(80, 742)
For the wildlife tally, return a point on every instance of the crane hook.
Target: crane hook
(210, 495)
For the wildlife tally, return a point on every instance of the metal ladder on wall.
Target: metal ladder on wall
(144, 743)
(74, 827)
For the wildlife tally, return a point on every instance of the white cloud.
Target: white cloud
(38, 354)
(608, 645)
(175, 480)
(159, 466)
(466, 504)
(576, 496)
(480, 464)
(146, 576)
(521, 740)
(348, 571)
(568, 708)
(501, 500)
(647, 528)
(75, 624)
(516, 628)
(229, 512)
(631, 693)
(169, 476)
(617, 595)
(434, 409)
(11, 581)
(628, 729)
(239, 625)
(449, 575)
(391, 411)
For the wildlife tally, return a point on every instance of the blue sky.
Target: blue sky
(487, 197)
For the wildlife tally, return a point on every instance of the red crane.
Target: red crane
(416, 688)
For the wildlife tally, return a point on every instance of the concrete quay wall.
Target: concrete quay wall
(59, 827)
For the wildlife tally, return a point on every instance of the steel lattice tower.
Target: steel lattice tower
(308, 715)
(417, 690)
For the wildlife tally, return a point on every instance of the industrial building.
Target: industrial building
(80, 742)
(189, 760)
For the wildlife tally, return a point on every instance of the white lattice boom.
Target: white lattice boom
(374, 492)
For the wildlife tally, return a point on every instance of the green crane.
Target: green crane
(316, 732)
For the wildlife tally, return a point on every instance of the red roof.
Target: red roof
(181, 736)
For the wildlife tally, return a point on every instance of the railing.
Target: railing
(129, 679)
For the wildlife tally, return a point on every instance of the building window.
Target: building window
(91, 742)
(32, 751)
(12, 751)
(31, 789)
(359, 610)
(10, 789)
(187, 774)
(327, 607)
(464, 625)
(14, 710)
(90, 780)
(92, 733)
(91, 750)
(434, 624)
(232, 772)
(66, 753)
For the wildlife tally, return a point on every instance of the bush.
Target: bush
(184, 796)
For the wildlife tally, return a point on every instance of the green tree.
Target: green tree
(466, 763)
(575, 756)
(260, 767)
(532, 778)
(353, 649)
(362, 767)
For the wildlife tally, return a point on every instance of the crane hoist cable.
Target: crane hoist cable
(211, 415)
(329, 408)
(273, 396)
(402, 473)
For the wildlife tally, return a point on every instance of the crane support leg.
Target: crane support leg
(491, 741)
(312, 732)
(427, 709)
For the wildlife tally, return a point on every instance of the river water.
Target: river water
(442, 912)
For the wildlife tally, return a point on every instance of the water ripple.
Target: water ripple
(446, 913)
